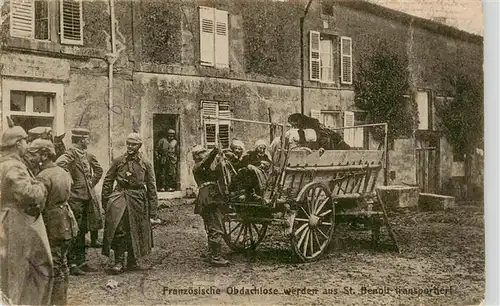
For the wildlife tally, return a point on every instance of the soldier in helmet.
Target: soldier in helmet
(167, 153)
(60, 222)
(130, 207)
(208, 203)
(86, 172)
(26, 268)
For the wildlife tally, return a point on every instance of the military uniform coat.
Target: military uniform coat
(25, 258)
(57, 214)
(86, 172)
(135, 192)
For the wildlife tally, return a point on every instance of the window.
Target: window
(328, 118)
(214, 41)
(322, 54)
(423, 110)
(216, 131)
(32, 104)
(326, 60)
(33, 19)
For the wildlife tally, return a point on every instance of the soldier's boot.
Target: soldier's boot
(216, 258)
(132, 263)
(94, 239)
(119, 265)
(59, 292)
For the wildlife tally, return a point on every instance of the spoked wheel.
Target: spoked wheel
(314, 222)
(243, 235)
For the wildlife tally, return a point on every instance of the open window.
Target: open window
(216, 131)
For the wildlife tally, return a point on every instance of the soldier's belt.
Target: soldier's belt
(131, 187)
(207, 184)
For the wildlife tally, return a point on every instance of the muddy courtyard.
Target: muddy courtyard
(441, 263)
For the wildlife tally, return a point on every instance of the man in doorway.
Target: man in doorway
(167, 153)
(130, 207)
(86, 172)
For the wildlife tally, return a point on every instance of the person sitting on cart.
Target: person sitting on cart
(235, 153)
(253, 174)
(209, 202)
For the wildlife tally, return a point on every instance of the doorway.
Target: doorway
(161, 124)
(428, 164)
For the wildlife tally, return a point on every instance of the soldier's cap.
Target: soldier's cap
(197, 150)
(170, 131)
(12, 135)
(134, 138)
(39, 144)
(40, 130)
(80, 132)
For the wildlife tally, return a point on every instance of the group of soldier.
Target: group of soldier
(48, 205)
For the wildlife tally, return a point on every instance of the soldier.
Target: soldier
(208, 202)
(167, 153)
(26, 263)
(86, 173)
(60, 222)
(130, 207)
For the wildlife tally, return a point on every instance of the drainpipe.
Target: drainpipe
(111, 59)
(302, 19)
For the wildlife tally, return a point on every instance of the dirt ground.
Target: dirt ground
(442, 260)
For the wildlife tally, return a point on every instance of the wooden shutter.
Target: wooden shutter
(22, 18)
(314, 56)
(71, 22)
(224, 126)
(349, 133)
(221, 39)
(207, 40)
(216, 129)
(346, 60)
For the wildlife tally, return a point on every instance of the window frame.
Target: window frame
(332, 59)
(57, 106)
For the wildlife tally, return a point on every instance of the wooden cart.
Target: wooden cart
(308, 194)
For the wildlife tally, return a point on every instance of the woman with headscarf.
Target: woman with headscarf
(254, 169)
(235, 153)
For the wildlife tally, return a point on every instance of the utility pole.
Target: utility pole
(302, 20)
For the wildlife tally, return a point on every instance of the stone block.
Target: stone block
(432, 202)
(397, 197)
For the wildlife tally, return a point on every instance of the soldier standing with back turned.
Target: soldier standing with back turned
(86, 172)
(60, 222)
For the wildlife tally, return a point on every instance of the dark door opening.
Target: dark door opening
(166, 165)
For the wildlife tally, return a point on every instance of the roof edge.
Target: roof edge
(427, 24)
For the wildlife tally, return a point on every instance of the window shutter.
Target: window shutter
(349, 133)
(207, 40)
(221, 39)
(346, 60)
(71, 22)
(316, 114)
(22, 18)
(209, 108)
(314, 58)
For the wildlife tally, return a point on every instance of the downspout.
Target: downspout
(302, 19)
(111, 59)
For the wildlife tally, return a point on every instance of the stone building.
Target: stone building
(174, 61)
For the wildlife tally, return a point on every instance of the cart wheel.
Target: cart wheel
(314, 222)
(243, 235)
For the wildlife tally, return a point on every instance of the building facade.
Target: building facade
(176, 61)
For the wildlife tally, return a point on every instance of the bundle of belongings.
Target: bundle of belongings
(310, 133)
